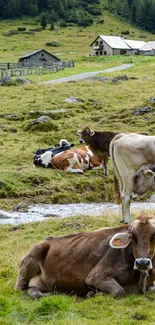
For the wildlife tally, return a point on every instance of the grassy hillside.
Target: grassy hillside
(111, 109)
(73, 42)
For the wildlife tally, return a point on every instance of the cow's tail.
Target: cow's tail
(115, 169)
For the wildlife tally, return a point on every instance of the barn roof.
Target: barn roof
(135, 45)
(35, 52)
(115, 42)
(148, 46)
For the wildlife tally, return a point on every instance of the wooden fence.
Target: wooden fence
(14, 69)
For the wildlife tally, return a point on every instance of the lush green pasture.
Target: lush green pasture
(106, 106)
(17, 308)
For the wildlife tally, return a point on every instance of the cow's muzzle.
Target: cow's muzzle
(143, 264)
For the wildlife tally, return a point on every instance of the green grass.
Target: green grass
(113, 111)
(17, 308)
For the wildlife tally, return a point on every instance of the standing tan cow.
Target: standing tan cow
(110, 260)
(128, 152)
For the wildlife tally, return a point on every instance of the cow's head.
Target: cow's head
(144, 179)
(142, 236)
(86, 134)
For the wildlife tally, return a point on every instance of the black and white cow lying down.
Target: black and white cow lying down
(62, 146)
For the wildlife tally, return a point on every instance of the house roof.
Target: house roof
(35, 52)
(148, 46)
(115, 42)
(118, 42)
(135, 45)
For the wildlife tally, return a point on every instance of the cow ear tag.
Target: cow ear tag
(120, 240)
(149, 173)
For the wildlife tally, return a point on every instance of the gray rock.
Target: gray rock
(144, 110)
(151, 100)
(41, 119)
(23, 80)
(73, 100)
(23, 207)
(152, 198)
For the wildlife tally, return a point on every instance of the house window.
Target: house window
(101, 42)
(122, 52)
(105, 52)
(100, 52)
(42, 59)
(96, 43)
(42, 54)
(97, 53)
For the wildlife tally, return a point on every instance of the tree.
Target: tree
(43, 22)
(140, 14)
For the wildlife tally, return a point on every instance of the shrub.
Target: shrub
(125, 32)
(21, 29)
(55, 44)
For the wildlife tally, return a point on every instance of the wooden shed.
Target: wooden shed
(38, 58)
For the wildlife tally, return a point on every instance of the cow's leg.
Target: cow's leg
(105, 164)
(73, 170)
(37, 288)
(126, 196)
(97, 280)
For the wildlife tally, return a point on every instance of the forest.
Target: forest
(138, 12)
(81, 12)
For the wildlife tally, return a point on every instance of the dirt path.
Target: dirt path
(88, 74)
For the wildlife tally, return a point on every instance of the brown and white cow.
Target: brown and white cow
(99, 144)
(128, 153)
(109, 260)
(75, 160)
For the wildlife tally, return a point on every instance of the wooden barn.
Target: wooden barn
(38, 58)
(115, 45)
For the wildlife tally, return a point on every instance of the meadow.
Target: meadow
(106, 106)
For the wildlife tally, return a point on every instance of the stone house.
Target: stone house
(38, 58)
(148, 49)
(114, 45)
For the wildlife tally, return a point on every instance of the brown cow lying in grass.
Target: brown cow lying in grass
(75, 160)
(109, 260)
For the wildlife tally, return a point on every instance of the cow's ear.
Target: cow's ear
(120, 240)
(92, 133)
(78, 132)
(149, 173)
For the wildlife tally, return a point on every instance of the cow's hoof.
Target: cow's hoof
(152, 289)
(124, 222)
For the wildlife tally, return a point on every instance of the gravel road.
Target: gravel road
(85, 75)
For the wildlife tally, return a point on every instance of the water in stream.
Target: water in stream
(40, 212)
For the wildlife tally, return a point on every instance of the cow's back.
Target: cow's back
(134, 148)
(71, 258)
